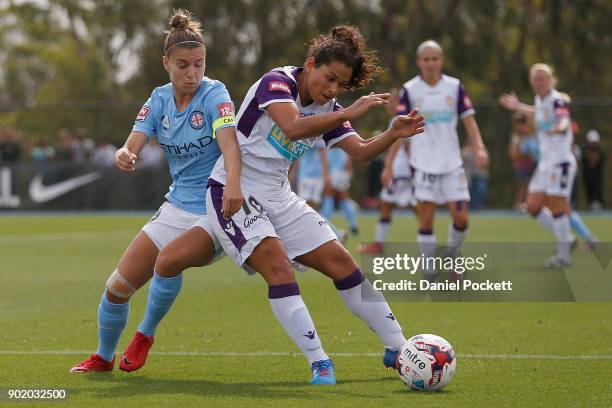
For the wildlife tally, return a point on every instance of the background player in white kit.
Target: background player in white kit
(551, 185)
(396, 181)
(284, 114)
(193, 119)
(438, 176)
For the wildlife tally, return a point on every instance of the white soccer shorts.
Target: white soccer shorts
(399, 192)
(281, 214)
(170, 221)
(440, 188)
(341, 180)
(311, 189)
(554, 179)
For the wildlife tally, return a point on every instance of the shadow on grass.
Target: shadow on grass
(130, 385)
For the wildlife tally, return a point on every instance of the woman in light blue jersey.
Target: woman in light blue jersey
(192, 118)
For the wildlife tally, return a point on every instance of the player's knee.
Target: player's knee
(460, 221)
(168, 264)
(534, 209)
(119, 287)
(280, 273)
(277, 270)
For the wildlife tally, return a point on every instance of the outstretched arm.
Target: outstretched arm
(511, 102)
(365, 150)
(287, 116)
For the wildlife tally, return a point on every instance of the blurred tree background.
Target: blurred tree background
(91, 64)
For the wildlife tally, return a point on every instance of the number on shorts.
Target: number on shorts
(429, 178)
(253, 203)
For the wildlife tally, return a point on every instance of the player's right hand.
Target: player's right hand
(361, 105)
(125, 160)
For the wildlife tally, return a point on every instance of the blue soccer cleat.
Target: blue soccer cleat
(323, 373)
(390, 358)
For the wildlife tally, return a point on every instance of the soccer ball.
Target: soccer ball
(426, 362)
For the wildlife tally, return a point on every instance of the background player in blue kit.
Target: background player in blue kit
(192, 118)
(340, 174)
(313, 175)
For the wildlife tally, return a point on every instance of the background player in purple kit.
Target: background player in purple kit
(551, 185)
(283, 115)
(438, 176)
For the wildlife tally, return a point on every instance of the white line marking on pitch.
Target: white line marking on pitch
(287, 354)
(14, 239)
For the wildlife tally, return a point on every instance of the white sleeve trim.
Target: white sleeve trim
(265, 104)
(335, 140)
(468, 112)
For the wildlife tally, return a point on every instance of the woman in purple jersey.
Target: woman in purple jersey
(284, 114)
(184, 59)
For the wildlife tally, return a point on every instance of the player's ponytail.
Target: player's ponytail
(345, 44)
(185, 31)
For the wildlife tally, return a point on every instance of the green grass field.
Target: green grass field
(221, 346)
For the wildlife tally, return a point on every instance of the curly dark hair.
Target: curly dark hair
(345, 44)
(185, 31)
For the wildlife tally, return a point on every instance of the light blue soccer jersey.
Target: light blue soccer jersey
(337, 160)
(188, 138)
(311, 165)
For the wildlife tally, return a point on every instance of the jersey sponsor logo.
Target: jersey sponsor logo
(41, 193)
(165, 122)
(347, 125)
(142, 115)
(450, 101)
(290, 150)
(196, 120)
(186, 148)
(226, 109)
(438, 117)
(279, 86)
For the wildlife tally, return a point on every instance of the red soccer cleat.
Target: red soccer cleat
(95, 363)
(135, 355)
(373, 248)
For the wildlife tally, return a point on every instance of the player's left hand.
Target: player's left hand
(482, 157)
(232, 200)
(408, 125)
